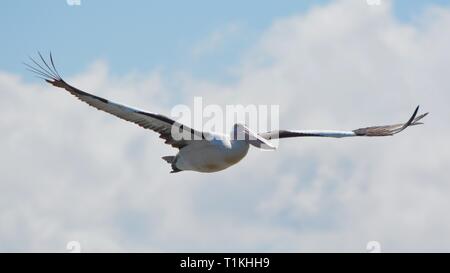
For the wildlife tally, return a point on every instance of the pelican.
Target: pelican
(203, 151)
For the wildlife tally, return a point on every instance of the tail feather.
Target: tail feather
(171, 160)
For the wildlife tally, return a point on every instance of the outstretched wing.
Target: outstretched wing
(177, 137)
(386, 130)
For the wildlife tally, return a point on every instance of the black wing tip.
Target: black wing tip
(44, 69)
(421, 115)
(413, 115)
(390, 130)
(415, 120)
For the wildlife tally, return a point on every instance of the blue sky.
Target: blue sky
(143, 35)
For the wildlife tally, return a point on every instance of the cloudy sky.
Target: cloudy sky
(69, 172)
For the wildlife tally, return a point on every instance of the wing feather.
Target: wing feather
(148, 120)
(385, 130)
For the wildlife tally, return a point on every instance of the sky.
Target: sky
(204, 38)
(71, 173)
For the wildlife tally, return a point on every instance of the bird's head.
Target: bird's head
(242, 133)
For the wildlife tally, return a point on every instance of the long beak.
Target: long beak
(258, 141)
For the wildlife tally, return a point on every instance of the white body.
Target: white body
(211, 155)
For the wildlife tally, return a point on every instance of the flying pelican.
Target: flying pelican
(202, 151)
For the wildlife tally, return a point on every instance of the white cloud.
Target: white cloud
(69, 172)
